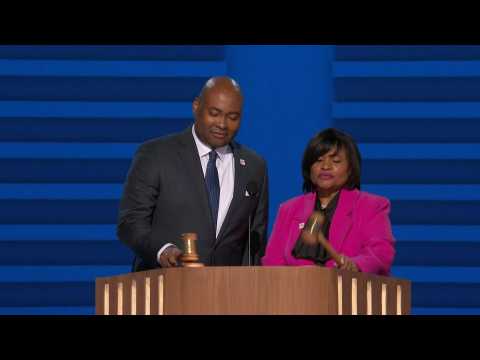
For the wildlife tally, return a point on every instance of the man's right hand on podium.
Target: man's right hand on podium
(170, 256)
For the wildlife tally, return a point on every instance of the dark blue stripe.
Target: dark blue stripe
(80, 191)
(48, 310)
(95, 109)
(24, 253)
(435, 212)
(58, 212)
(61, 274)
(436, 233)
(115, 171)
(406, 52)
(421, 131)
(445, 295)
(99, 88)
(47, 294)
(26, 232)
(406, 110)
(83, 294)
(445, 311)
(421, 172)
(391, 69)
(106, 212)
(123, 52)
(453, 253)
(64, 170)
(393, 191)
(88, 130)
(118, 69)
(113, 191)
(368, 151)
(407, 89)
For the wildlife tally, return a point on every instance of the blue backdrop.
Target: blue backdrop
(72, 116)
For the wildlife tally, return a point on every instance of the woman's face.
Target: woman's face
(331, 171)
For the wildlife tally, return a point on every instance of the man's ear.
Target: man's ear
(196, 105)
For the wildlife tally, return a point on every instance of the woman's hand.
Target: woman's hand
(347, 264)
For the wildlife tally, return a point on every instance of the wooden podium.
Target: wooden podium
(309, 290)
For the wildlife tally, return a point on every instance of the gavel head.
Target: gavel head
(312, 228)
(189, 247)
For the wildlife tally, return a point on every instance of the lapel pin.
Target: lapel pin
(301, 225)
(242, 162)
(246, 193)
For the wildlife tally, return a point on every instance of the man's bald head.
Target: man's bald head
(222, 84)
(218, 111)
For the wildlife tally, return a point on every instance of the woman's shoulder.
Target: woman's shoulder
(297, 201)
(369, 199)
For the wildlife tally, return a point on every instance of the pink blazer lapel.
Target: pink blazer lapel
(342, 220)
(300, 215)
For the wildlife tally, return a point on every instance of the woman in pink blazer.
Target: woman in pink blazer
(357, 223)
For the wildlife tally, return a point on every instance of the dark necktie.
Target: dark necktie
(213, 185)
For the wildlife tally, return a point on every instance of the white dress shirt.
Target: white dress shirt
(226, 176)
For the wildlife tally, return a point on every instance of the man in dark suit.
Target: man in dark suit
(199, 181)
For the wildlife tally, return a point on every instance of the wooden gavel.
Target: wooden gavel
(311, 234)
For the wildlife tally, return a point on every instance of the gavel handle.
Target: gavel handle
(338, 258)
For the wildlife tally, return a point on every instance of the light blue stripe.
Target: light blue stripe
(433, 233)
(437, 274)
(30, 232)
(112, 68)
(406, 110)
(420, 151)
(50, 310)
(85, 109)
(444, 311)
(16, 150)
(61, 191)
(425, 192)
(406, 68)
(59, 273)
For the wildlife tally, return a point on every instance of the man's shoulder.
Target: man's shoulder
(163, 143)
(250, 155)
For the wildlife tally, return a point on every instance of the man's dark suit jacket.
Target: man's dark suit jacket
(165, 195)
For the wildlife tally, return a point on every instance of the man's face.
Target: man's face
(217, 118)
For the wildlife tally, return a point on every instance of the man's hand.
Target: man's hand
(170, 257)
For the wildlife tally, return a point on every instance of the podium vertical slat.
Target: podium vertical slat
(347, 292)
(362, 294)
(377, 297)
(148, 296)
(369, 295)
(399, 299)
(406, 297)
(339, 294)
(112, 287)
(392, 297)
(127, 295)
(120, 298)
(161, 294)
(99, 294)
(154, 294)
(133, 297)
(140, 294)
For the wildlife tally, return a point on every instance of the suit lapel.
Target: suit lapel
(193, 167)
(240, 182)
